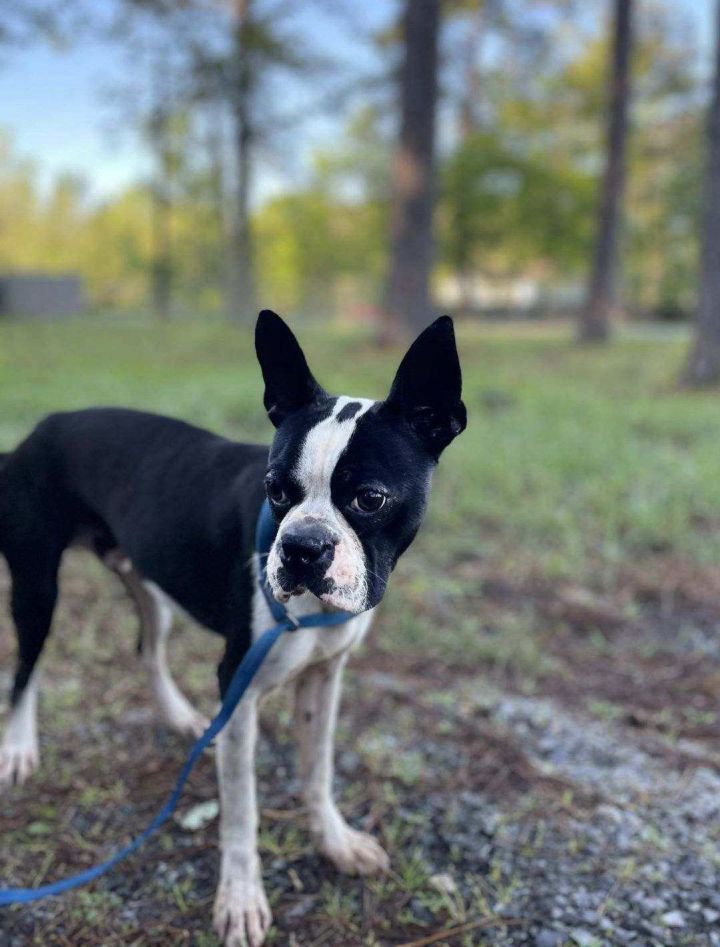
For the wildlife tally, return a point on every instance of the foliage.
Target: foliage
(505, 210)
(518, 170)
(572, 460)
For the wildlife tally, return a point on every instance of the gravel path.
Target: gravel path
(512, 818)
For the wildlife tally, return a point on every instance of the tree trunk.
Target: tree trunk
(595, 318)
(161, 194)
(408, 305)
(703, 366)
(470, 102)
(241, 300)
(162, 259)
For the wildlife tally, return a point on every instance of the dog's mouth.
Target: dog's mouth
(324, 589)
(284, 596)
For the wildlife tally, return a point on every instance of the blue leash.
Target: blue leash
(246, 671)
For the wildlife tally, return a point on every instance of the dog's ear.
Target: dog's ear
(428, 385)
(289, 384)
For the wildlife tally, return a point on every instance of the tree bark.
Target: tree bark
(703, 367)
(162, 254)
(241, 300)
(470, 102)
(408, 304)
(161, 196)
(595, 318)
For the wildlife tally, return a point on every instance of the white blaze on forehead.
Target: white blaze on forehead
(325, 445)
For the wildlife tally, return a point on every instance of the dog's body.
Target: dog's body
(172, 510)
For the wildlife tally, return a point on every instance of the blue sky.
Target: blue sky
(55, 105)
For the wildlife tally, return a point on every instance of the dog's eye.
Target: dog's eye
(276, 494)
(369, 501)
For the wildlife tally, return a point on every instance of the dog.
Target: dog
(171, 509)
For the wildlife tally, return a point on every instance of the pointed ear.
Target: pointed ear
(428, 386)
(289, 384)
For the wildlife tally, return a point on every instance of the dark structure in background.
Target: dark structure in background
(408, 305)
(703, 366)
(38, 294)
(595, 319)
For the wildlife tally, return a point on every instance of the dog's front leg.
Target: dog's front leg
(242, 915)
(317, 695)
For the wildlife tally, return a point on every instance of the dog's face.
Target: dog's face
(348, 478)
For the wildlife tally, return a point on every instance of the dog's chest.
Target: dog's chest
(297, 650)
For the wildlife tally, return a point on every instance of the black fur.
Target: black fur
(181, 503)
(395, 446)
(289, 383)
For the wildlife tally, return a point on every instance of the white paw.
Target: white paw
(241, 917)
(180, 715)
(191, 724)
(355, 853)
(18, 761)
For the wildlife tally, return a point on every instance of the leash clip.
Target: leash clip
(294, 622)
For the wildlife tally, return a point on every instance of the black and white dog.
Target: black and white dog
(172, 510)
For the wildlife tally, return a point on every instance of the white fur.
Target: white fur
(315, 658)
(19, 752)
(156, 613)
(323, 447)
(317, 696)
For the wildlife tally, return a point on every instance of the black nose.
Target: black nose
(300, 549)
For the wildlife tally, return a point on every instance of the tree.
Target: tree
(236, 59)
(412, 248)
(703, 366)
(595, 318)
(507, 211)
(242, 291)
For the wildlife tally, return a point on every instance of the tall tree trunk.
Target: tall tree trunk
(241, 300)
(470, 102)
(218, 193)
(161, 253)
(703, 366)
(160, 195)
(595, 319)
(412, 249)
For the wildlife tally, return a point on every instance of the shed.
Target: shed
(41, 294)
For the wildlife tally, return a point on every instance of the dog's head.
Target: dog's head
(348, 478)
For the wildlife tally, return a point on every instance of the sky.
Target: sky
(56, 105)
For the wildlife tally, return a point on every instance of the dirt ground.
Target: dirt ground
(568, 797)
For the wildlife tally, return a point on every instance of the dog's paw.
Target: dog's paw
(191, 724)
(356, 853)
(178, 713)
(241, 917)
(18, 761)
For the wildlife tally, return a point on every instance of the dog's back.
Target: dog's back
(159, 489)
(166, 495)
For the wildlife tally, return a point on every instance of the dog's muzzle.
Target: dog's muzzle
(306, 553)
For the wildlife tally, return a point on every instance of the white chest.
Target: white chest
(299, 649)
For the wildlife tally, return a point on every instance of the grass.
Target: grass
(577, 466)
(575, 458)
(575, 461)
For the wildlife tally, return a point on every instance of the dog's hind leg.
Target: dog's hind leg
(317, 695)
(34, 593)
(155, 623)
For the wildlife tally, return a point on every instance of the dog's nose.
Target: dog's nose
(300, 549)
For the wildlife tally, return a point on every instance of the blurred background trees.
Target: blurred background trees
(704, 364)
(595, 321)
(382, 164)
(408, 302)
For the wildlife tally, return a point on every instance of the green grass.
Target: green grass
(574, 461)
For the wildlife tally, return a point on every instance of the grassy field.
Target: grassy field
(569, 562)
(582, 457)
